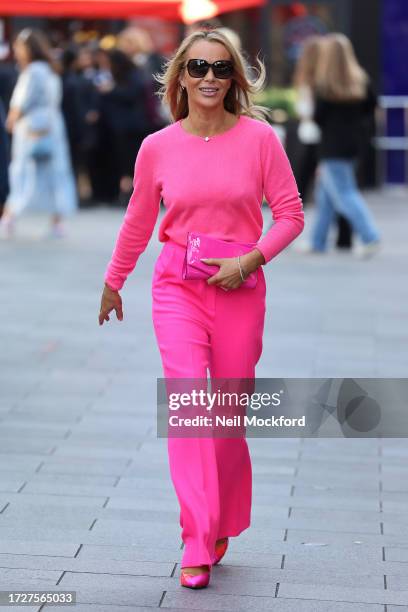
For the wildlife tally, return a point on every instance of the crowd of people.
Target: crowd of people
(110, 106)
(77, 117)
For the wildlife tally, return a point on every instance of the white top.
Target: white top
(308, 131)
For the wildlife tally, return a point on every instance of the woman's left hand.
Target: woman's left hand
(228, 276)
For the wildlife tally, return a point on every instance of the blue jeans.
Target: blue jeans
(337, 191)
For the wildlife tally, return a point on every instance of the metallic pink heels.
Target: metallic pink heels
(220, 550)
(195, 582)
(202, 580)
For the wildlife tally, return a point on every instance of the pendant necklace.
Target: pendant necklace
(205, 138)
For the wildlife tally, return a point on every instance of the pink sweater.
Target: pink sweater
(214, 187)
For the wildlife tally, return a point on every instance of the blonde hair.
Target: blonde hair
(305, 71)
(339, 76)
(239, 98)
(232, 36)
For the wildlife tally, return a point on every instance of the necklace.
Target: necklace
(207, 138)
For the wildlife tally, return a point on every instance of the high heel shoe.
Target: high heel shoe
(220, 550)
(199, 581)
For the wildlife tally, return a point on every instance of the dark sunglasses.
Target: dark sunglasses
(198, 68)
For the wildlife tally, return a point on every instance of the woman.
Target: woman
(344, 99)
(211, 167)
(309, 133)
(40, 171)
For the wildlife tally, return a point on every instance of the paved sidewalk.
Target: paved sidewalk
(86, 501)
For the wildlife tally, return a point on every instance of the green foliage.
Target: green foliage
(281, 100)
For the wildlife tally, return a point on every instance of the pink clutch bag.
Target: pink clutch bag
(205, 246)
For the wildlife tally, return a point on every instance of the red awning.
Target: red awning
(186, 11)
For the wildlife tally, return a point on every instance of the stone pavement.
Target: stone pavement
(85, 496)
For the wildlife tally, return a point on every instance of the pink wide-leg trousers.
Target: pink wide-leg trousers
(200, 326)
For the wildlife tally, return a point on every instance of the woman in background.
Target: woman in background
(309, 133)
(40, 171)
(344, 98)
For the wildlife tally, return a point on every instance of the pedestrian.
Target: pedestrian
(138, 44)
(308, 131)
(80, 108)
(344, 98)
(4, 155)
(211, 166)
(41, 177)
(93, 68)
(71, 105)
(124, 113)
(8, 78)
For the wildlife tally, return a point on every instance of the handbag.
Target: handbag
(40, 140)
(204, 246)
(40, 146)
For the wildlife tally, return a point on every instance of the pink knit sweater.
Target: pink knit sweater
(215, 187)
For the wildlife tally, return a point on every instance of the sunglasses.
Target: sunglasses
(198, 68)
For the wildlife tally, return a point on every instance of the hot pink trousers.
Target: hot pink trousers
(200, 326)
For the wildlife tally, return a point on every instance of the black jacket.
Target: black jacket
(342, 125)
(124, 107)
(4, 157)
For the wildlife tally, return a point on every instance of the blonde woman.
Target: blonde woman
(343, 98)
(211, 167)
(309, 133)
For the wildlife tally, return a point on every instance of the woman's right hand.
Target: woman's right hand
(110, 300)
(13, 116)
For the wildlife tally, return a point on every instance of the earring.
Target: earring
(182, 87)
